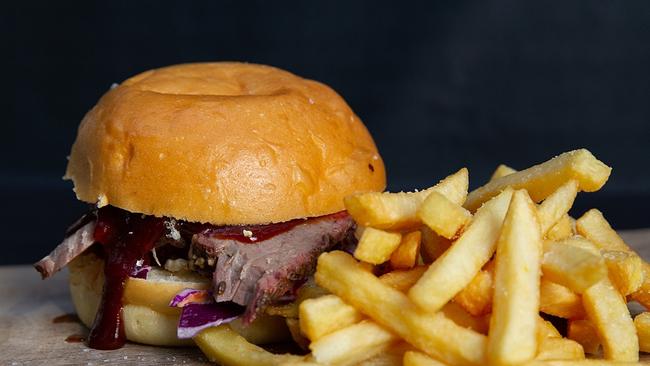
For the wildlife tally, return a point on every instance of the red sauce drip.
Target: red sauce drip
(126, 238)
(75, 338)
(257, 232)
(66, 318)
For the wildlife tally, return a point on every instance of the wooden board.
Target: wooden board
(28, 335)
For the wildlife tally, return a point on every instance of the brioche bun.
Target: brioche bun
(223, 143)
(147, 317)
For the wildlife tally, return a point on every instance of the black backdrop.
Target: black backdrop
(440, 85)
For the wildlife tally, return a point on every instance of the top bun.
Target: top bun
(224, 143)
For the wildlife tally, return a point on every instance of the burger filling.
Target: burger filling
(251, 267)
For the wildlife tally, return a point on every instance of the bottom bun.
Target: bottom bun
(147, 317)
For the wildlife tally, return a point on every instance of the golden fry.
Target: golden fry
(415, 358)
(406, 254)
(399, 210)
(575, 263)
(625, 270)
(403, 280)
(559, 301)
(561, 230)
(513, 326)
(546, 329)
(543, 179)
(391, 357)
(461, 317)
(501, 171)
(593, 226)
(557, 205)
(608, 311)
(324, 315)
(456, 267)
(434, 334)
(376, 246)
(587, 362)
(218, 343)
(352, 344)
(642, 295)
(553, 348)
(476, 298)
(642, 325)
(583, 332)
(441, 215)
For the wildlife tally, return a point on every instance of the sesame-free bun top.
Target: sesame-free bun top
(224, 143)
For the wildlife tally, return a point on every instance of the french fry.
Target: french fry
(546, 329)
(586, 362)
(376, 246)
(434, 334)
(553, 348)
(461, 317)
(352, 344)
(559, 301)
(575, 263)
(406, 254)
(625, 270)
(433, 245)
(399, 210)
(543, 179)
(593, 226)
(476, 298)
(457, 266)
(224, 346)
(324, 315)
(583, 332)
(367, 266)
(557, 205)
(642, 295)
(642, 325)
(501, 171)
(608, 312)
(403, 280)
(513, 326)
(441, 215)
(561, 230)
(415, 358)
(391, 357)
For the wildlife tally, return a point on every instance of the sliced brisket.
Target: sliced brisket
(72, 246)
(257, 274)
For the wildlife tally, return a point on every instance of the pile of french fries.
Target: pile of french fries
(443, 277)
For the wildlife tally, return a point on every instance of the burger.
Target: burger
(213, 188)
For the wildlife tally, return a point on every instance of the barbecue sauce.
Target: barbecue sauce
(66, 318)
(256, 233)
(125, 238)
(75, 338)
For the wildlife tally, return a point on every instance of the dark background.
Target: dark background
(440, 85)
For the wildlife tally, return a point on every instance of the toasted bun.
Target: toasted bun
(224, 143)
(147, 317)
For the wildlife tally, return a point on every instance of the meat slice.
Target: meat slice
(71, 247)
(257, 274)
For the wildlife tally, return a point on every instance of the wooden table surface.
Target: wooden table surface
(28, 335)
